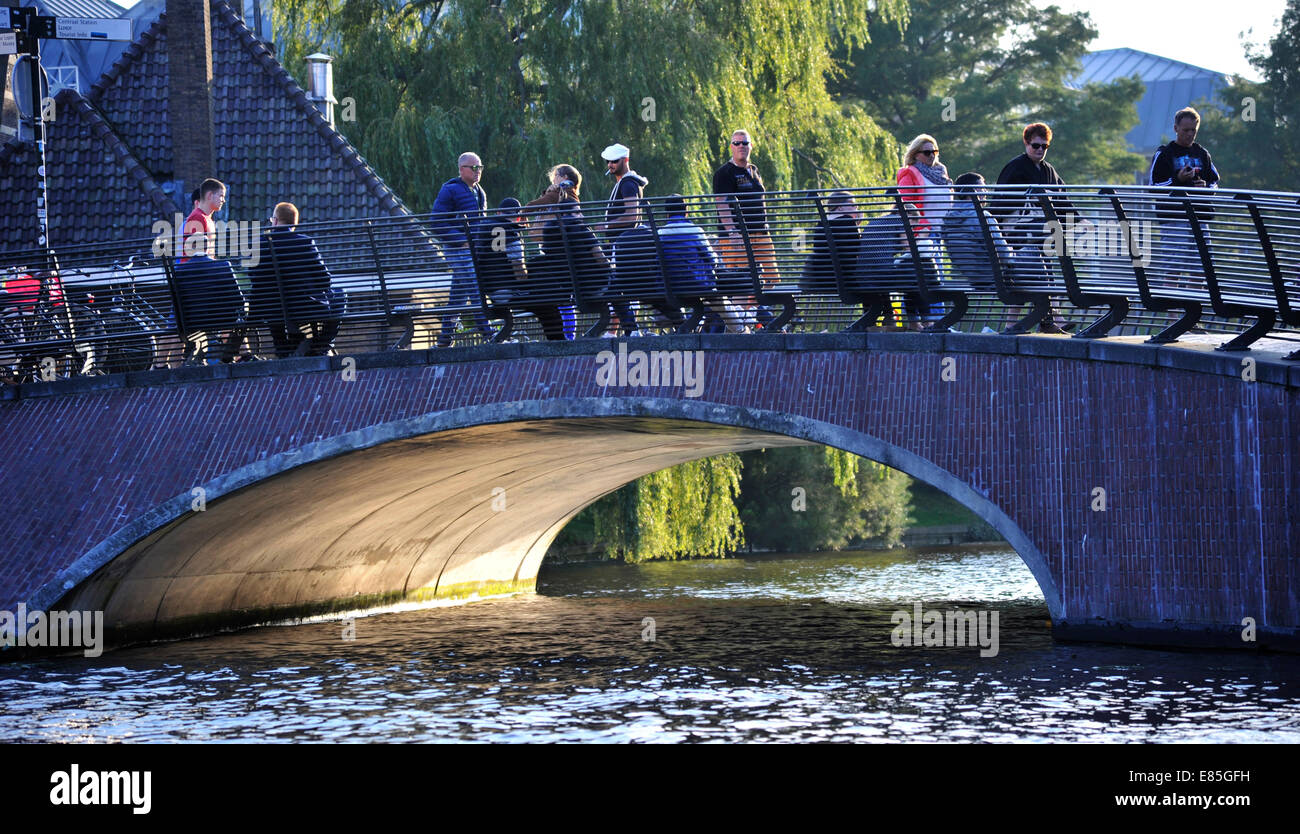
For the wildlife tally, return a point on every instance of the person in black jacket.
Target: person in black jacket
(885, 263)
(291, 288)
(1182, 163)
(840, 228)
(1022, 220)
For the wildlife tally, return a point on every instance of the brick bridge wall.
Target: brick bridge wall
(1200, 468)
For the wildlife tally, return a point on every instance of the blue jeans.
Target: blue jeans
(464, 291)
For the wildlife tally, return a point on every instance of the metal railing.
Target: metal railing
(1107, 261)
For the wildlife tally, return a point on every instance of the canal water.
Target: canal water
(795, 648)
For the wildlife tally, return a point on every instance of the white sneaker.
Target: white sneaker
(635, 334)
(988, 329)
(608, 335)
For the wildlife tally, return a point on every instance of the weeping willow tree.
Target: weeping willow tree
(532, 83)
(809, 498)
(790, 499)
(684, 511)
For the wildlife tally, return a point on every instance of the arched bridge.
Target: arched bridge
(1153, 491)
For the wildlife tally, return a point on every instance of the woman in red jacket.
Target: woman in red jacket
(924, 182)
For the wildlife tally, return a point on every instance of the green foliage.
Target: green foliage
(683, 511)
(973, 73)
(530, 84)
(1255, 144)
(806, 498)
(697, 508)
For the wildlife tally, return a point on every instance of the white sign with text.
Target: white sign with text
(92, 28)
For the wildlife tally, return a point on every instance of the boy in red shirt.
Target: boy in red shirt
(212, 196)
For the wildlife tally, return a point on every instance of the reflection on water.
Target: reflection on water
(745, 649)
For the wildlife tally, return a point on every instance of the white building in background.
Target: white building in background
(1170, 86)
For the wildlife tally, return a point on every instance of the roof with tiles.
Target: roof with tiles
(96, 184)
(272, 144)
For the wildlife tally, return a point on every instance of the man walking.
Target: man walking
(460, 197)
(622, 215)
(629, 186)
(1182, 163)
(738, 183)
(1023, 221)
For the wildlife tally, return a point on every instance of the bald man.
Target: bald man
(459, 198)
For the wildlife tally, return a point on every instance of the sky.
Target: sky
(1204, 33)
(1200, 32)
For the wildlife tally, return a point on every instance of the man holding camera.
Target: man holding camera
(1182, 163)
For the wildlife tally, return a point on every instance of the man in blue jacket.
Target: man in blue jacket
(211, 304)
(460, 198)
(689, 263)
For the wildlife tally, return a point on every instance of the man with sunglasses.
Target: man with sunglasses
(738, 182)
(1023, 221)
(459, 198)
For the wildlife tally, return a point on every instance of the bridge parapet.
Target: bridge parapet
(1115, 261)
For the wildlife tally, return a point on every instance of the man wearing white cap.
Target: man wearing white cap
(625, 198)
(622, 214)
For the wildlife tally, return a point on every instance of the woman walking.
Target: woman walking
(924, 182)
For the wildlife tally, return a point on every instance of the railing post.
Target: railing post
(169, 268)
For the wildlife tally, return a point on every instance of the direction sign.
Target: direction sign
(4, 18)
(8, 43)
(92, 28)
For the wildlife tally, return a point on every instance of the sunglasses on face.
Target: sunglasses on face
(928, 152)
(741, 143)
(475, 167)
(1039, 146)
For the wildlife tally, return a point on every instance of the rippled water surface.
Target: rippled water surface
(795, 648)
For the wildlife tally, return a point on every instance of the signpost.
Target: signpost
(30, 28)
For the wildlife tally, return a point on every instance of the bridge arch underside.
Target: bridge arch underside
(446, 515)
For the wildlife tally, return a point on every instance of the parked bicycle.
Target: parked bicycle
(39, 328)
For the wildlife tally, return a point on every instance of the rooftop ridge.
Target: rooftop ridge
(131, 165)
(1131, 50)
(298, 96)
